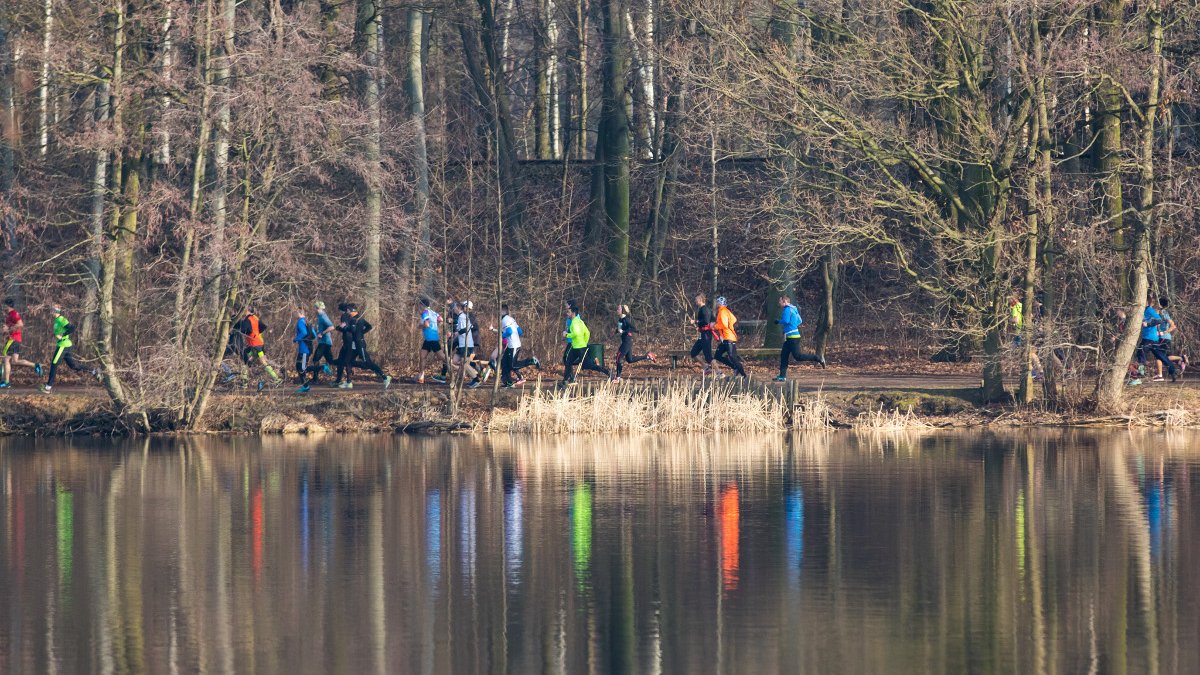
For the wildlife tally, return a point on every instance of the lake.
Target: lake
(1056, 552)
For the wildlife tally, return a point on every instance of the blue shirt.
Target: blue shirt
(790, 321)
(1151, 316)
(1164, 333)
(323, 324)
(301, 338)
(430, 332)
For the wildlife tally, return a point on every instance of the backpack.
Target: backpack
(310, 338)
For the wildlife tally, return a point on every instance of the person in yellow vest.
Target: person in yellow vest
(252, 328)
(63, 348)
(727, 338)
(578, 336)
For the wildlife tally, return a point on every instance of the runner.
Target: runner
(431, 337)
(304, 338)
(626, 329)
(510, 361)
(464, 345)
(789, 320)
(323, 349)
(485, 368)
(252, 329)
(354, 329)
(570, 305)
(1152, 321)
(63, 349)
(580, 357)
(703, 345)
(1166, 337)
(727, 339)
(13, 326)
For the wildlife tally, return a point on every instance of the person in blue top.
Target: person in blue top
(431, 336)
(322, 348)
(1152, 321)
(303, 340)
(789, 321)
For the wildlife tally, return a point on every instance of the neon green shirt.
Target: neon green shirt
(1018, 315)
(578, 334)
(60, 332)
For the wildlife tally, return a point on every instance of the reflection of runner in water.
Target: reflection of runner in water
(626, 329)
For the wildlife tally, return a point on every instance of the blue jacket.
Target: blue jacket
(1151, 317)
(301, 338)
(790, 321)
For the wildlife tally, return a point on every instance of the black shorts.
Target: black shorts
(252, 353)
(12, 347)
(431, 346)
(465, 352)
(703, 345)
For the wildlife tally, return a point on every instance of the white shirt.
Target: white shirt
(464, 339)
(514, 339)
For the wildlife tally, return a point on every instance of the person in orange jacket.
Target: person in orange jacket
(727, 338)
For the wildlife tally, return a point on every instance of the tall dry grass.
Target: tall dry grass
(668, 407)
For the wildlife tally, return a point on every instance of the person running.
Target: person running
(431, 337)
(1166, 337)
(485, 368)
(702, 349)
(727, 339)
(63, 349)
(580, 357)
(789, 321)
(304, 338)
(1152, 321)
(322, 349)
(570, 305)
(626, 329)
(354, 332)
(464, 349)
(13, 328)
(511, 362)
(252, 329)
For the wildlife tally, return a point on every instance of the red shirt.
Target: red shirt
(11, 319)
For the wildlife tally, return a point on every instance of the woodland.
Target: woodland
(166, 163)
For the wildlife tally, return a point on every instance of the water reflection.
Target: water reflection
(945, 553)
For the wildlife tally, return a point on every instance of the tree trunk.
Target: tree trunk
(44, 79)
(9, 137)
(542, 116)
(1110, 103)
(367, 38)
(415, 88)
(222, 77)
(614, 136)
(1112, 380)
(665, 184)
(831, 272)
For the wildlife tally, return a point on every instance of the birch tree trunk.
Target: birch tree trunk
(44, 79)
(222, 77)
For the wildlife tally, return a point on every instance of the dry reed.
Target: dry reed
(893, 420)
(636, 407)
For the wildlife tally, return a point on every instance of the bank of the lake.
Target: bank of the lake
(872, 400)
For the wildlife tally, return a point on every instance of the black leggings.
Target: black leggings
(66, 355)
(511, 363)
(625, 353)
(791, 350)
(583, 358)
(323, 352)
(703, 345)
(350, 358)
(1158, 351)
(727, 354)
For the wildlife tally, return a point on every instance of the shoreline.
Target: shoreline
(800, 404)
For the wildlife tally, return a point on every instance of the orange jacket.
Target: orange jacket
(725, 323)
(254, 337)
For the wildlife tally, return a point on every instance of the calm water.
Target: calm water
(1066, 553)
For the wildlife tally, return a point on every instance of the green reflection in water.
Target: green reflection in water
(581, 532)
(1021, 533)
(64, 511)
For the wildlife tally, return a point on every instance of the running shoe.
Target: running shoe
(261, 385)
(781, 379)
(1174, 376)
(346, 385)
(326, 369)
(474, 384)
(421, 378)
(37, 368)
(438, 379)
(821, 361)
(387, 382)
(652, 356)
(1157, 378)
(536, 363)
(519, 382)
(616, 379)
(1183, 364)
(4, 385)
(1135, 382)
(96, 373)
(45, 389)
(336, 385)
(304, 389)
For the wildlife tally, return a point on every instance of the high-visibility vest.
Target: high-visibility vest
(254, 339)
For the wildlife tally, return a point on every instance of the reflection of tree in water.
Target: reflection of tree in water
(931, 553)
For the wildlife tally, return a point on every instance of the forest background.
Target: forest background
(898, 165)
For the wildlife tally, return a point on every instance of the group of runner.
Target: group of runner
(313, 339)
(1158, 342)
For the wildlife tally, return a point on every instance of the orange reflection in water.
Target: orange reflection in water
(728, 518)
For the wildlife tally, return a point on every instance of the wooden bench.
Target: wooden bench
(749, 353)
